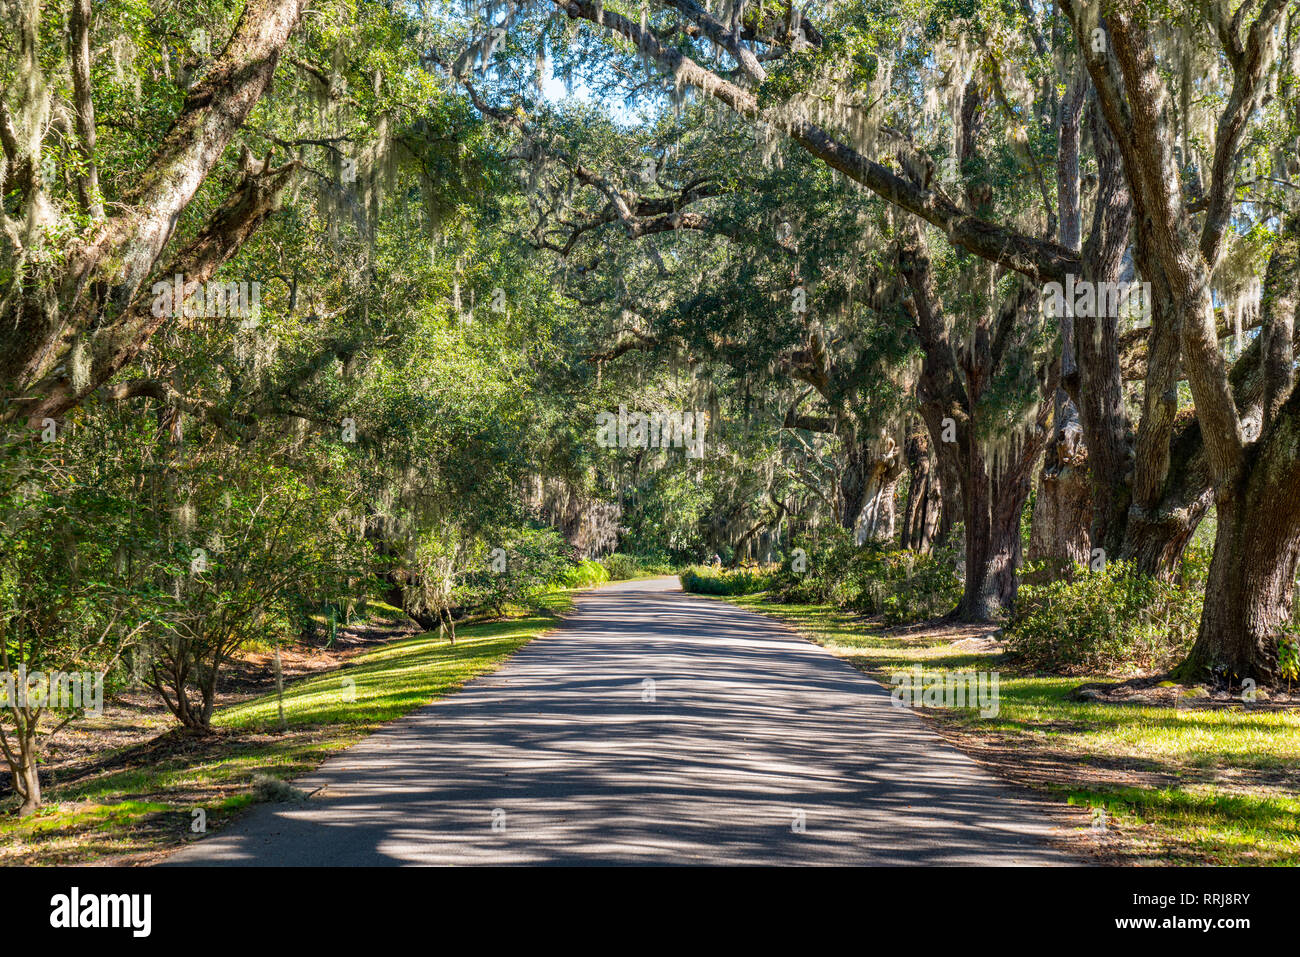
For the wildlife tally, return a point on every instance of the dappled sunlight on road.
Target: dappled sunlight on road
(751, 746)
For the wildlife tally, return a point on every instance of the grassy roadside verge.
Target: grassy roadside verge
(1177, 786)
(140, 803)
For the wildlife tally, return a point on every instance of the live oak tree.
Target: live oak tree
(299, 447)
(820, 365)
(1180, 156)
(1247, 436)
(759, 271)
(80, 244)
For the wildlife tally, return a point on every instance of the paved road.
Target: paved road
(566, 751)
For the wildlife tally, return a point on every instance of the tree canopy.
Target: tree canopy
(308, 305)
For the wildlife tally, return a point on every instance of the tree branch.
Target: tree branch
(1039, 259)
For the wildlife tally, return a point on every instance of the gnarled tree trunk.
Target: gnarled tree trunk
(1063, 502)
(994, 499)
(855, 478)
(1252, 575)
(876, 523)
(923, 511)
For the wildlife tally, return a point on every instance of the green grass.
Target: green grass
(146, 805)
(1190, 785)
(384, 684)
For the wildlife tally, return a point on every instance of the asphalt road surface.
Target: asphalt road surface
(651, 727)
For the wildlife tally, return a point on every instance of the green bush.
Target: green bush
(585, 573)
(904, 586)
(533, 559)
(899, 585)
(620, 566)
(708, 580)
(823, 577)
(1110, 621)
(1288, 655)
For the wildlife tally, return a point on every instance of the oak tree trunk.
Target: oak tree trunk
(1252, 575)
(922, 512)
(854, 480)
(1063, 502)
(994, 505)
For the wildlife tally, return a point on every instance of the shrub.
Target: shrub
(708, 580)
(1288, 655)
(530, 559)
(904, 586)
(585, 573)
(622, 566)
(271, 536)
(823, 579)
(1109, 621)
(900, 585)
